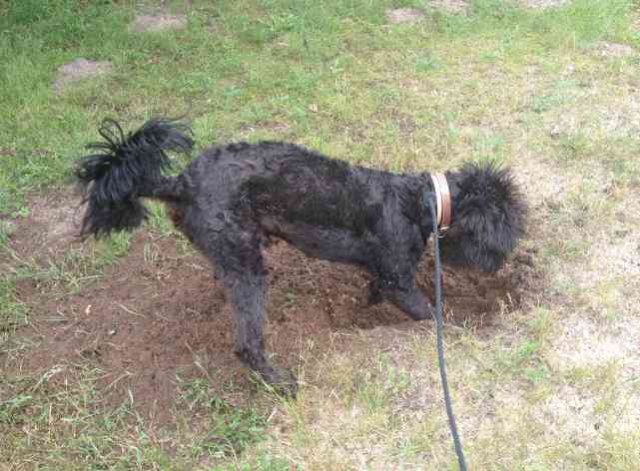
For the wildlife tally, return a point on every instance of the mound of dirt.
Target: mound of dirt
(79, 69)
(159, 314)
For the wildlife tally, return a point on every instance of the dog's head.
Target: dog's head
(488, 217)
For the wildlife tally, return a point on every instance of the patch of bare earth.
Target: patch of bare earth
(79, 69)
(543, 3)
(159, 314)
(145, 23)
(54, 222)
(451, 6)
(278, 128)
(616, 50)
(7, 152)
(404, 15)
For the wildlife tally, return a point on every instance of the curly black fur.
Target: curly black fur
(488, 217)
(234, 197)
(124, 169)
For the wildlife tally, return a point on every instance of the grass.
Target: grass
(552, 385)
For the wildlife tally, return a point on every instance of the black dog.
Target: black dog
(233, 197)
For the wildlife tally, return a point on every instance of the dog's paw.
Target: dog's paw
(425, 312)
(375, 295)
(282, 381)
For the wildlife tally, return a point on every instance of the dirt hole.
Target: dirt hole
(159, 314)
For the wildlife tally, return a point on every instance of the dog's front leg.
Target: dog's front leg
(394, 278)
(412, 301)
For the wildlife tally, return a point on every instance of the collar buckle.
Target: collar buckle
(443, 198)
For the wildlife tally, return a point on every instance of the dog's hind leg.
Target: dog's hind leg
(247, 295)
(238, 261)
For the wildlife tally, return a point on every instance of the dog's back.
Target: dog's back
(324, 206)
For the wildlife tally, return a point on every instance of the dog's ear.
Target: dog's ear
(488, 217)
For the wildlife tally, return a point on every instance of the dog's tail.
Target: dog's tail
(126, 168)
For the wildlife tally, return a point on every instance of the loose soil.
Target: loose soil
(159, 314)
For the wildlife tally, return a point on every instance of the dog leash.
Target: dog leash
(431, 200)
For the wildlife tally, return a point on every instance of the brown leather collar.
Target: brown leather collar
(443, 196)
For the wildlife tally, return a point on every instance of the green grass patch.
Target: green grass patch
(251, 64)
(229, 429)
(82, 433)
(13, 312)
